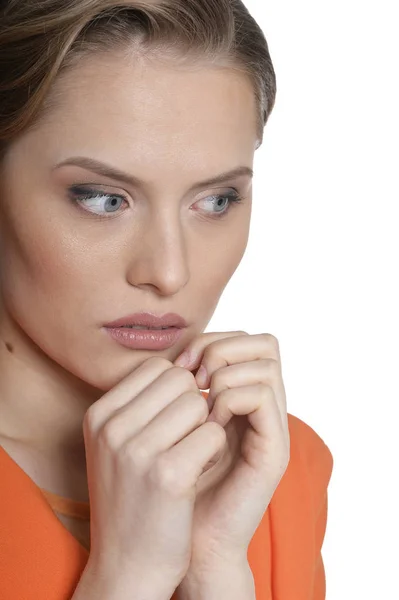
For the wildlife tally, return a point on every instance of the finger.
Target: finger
(172, 424)
(237, 349)
(266, 371)
(194, 454)
(142, 395)
(191, 357)
(265, 445)
(258, 402)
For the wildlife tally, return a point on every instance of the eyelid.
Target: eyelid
(90, 187)
(97, 187)
(85, 189)
(220, 191)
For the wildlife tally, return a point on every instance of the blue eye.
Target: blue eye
(233, 199)
(94, 199)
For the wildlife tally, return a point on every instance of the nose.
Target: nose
(160, 260)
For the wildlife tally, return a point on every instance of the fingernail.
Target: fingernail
(183, 360)
(201, 376)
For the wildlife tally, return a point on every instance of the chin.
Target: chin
(105, 374)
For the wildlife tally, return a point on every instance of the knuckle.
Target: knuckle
(265, 391)
(210, 353)
(90, 419)
(216, 431)
(186, 376)
(165, 474)
(196, 404)
(220, 379)
(272, 340)
(160, 361)
(137, 455)
(201, 406)
(270, 363)
(109, 434)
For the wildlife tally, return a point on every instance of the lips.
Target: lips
(149, 320)
(145, 339)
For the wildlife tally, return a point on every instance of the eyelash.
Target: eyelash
(79, 194)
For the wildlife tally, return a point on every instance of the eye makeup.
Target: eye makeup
(86, 198)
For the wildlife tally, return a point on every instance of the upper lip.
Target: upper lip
(150, 320)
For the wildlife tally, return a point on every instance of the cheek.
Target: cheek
(41, 263)
(45, 271)
(217, 264)
(52, 290)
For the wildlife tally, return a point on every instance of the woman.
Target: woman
(128, 132)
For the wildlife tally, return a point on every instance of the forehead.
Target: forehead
(157, 106)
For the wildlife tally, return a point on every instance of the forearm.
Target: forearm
(237, 584)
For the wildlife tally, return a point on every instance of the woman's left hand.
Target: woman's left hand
(245, 380)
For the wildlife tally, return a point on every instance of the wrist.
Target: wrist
(232, 582)
(103, 583)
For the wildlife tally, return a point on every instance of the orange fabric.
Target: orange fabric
(40, 559)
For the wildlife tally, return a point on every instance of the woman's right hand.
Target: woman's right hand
(147, 443)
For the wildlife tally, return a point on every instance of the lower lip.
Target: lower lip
(145, 339)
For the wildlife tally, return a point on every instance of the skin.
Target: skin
(247, 399)
(65, 272)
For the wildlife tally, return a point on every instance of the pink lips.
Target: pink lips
(147, 339)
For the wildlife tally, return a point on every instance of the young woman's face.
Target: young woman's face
(161, 243)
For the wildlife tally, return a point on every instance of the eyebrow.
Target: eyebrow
(108, 171)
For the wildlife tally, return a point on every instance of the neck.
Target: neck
(42, 408)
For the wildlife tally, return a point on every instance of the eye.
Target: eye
(94, 200)
(223, 200)
(103, 204)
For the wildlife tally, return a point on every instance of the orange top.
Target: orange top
(40, 559)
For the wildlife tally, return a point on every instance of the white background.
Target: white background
(321, 268)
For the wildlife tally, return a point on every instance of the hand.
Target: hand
(247, 398)
(147, 443)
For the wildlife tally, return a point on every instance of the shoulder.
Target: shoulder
(309, 454)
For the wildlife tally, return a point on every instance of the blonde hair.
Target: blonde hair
(41, 39)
